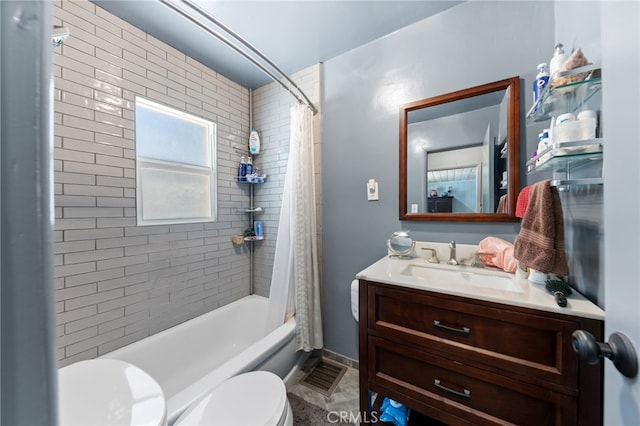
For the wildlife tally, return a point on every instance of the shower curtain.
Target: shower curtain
(295, 283)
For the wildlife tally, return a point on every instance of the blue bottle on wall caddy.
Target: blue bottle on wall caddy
(257, 228)
(242, 170)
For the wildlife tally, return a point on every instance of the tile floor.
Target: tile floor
(343, 398)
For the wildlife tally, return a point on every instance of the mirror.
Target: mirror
(460, 155)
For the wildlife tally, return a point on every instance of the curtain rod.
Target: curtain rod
(225, 40)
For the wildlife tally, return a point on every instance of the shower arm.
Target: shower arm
(203, 13)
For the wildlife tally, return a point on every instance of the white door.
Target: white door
(620, 23)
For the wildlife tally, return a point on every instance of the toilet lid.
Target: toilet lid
(255, 398)
(109, 392)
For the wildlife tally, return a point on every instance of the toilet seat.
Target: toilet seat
(103, 392)
(255, 398)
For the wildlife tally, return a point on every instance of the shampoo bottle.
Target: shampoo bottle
(249, 167)
(254, 142)
(242, 169)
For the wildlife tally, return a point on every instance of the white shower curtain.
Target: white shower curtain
(295, 284)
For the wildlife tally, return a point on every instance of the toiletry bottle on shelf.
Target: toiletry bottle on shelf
(249, 166)
(242, 169)
(543, 141)
(556, 60)
(254, 142)
(258, 228)
(541, 81)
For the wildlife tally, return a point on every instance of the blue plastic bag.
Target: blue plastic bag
(394, 412)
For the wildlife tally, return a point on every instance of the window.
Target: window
(175, 166)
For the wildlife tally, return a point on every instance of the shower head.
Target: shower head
(59, 35)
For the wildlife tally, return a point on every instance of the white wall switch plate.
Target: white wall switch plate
(372, 190)
(414, 208)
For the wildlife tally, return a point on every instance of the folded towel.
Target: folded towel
(523, 201)
(540, 243)
(502, 205)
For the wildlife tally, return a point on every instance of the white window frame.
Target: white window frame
(145, 163)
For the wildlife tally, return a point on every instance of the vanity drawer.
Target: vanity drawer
(474, 395)
(533, 346)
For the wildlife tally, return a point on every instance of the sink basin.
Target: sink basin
(461, 275)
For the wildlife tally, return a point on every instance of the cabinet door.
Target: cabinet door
(443, 205)
(431, 205)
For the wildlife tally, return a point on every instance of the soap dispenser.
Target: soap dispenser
(558, 58)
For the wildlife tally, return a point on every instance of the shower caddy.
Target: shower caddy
(252, 210)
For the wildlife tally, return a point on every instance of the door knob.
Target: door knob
(619, 350)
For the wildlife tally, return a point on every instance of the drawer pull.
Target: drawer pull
(463, 330)
(466, 393)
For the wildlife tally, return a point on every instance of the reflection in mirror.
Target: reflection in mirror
(459, 155)
(463, 186)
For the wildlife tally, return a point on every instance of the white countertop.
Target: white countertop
(528, 295)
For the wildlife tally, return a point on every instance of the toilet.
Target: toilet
(254, 398)
(103, 392)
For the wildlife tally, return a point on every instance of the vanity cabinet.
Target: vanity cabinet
(464, 361)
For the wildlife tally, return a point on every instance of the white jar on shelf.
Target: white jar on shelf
(577, 130)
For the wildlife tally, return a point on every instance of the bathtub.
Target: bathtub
(192, 358)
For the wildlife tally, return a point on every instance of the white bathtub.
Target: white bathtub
(192, 358)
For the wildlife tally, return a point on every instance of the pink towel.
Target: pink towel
(497, 252)
(523, 201)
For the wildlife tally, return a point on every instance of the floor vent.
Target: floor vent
(324, 377)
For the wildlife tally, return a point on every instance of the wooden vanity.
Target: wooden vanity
(461, 360)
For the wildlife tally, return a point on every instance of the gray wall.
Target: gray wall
(578, 25)
(117, 282)
(271, 116)
(467, 45)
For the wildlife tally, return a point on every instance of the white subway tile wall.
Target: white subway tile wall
(271, 112)
(115, 282)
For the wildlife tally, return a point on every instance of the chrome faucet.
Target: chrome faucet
(452, 254)
(434, 255)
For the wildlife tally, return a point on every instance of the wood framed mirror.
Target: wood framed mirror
(460, 155)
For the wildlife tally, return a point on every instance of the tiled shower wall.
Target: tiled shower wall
(116, 282)
(271, 116)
